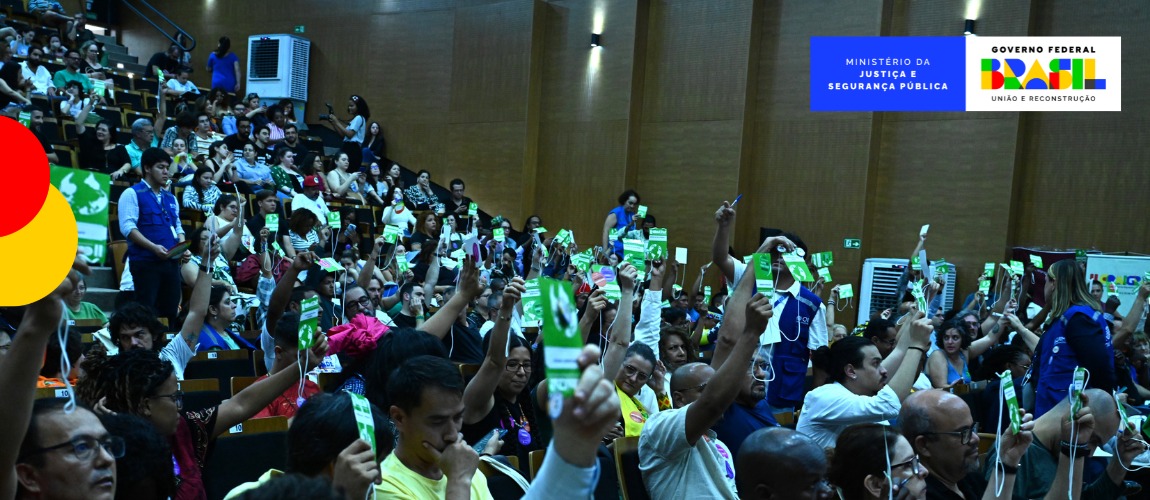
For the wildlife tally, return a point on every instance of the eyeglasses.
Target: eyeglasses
(631, 371)
(84, 447)
(515, 367)
(964, 434)
(5, 347)
(176, 397)
(363, 302)
(915, 470)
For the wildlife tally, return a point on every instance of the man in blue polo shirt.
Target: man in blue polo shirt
(150, 220)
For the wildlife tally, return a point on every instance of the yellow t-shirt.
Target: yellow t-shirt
(401, 482)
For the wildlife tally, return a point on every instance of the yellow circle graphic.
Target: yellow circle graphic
(35, 259)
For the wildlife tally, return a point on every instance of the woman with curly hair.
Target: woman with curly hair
(140, 383)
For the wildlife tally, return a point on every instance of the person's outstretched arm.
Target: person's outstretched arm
(724, 217)
(724, 385)
(479, 396)
(19, 369)
(907, 371)
(467, 289)
(619, 338)
(246, 403)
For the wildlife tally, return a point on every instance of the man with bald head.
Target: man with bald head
(679, 455)
(939, 426)
(1043, 470)
(797, 467)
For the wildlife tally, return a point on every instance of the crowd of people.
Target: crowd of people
(751, 390)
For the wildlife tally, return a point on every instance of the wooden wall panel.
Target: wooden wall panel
(584, 117)
(697, 62)
(1083, 175)
(490, 63)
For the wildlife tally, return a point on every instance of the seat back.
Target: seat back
(241, 383)
(221, 369)
(627, 469)
(243, 454)
(536, 458)
(200, 394)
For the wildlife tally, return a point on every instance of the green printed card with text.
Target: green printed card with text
(88, 194)
(562, 338)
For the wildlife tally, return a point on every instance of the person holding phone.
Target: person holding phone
(353, 131)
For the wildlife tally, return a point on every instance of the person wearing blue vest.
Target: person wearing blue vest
(1076, 335)
(149, 218)
(619, 219)
(799, 322)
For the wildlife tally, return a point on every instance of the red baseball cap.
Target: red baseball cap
(311, 181)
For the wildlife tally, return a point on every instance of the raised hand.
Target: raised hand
(512, 294)
(759, 312)
(303, 261)
(627, 275)
(1013, 445)
(724, 214)
(355, 469)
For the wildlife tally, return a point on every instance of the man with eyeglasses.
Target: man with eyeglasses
(66, 455)
(797, 471)
(679, 455)
(883, 334)
(71, 72)
(939, 426)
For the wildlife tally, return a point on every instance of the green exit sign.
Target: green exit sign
(854, 243)
(299, 28)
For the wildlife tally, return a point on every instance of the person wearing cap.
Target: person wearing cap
(310, 198)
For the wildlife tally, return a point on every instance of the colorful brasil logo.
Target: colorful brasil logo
(1073, 74)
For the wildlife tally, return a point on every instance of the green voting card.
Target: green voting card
(329, 265)
(472, 209)
(532, 307)
(919, 295)
(401, 263)
(1036, 260)
(642, 212)
(657, 244)
(390, 233)
(988, 269)
(1011, 402)
(825, 274)
(846, 291)
(707, 295)
(499, 235)
(915, 263)
(333, 219)
(1016, 268)
(272, 222)
(308, 322)
(563, 341)
(823, 259)
(798, 267)
(634, 252)
(764, 275)
(364, 422)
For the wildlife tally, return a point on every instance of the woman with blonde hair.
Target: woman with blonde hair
(1076, 335)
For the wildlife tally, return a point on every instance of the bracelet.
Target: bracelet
(1006, 469)
(917, 348)
(505, 318)
(203, 268)
(830, 302)
(421, 317)
(1078, 449)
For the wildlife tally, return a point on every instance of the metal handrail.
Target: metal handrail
(179, 31)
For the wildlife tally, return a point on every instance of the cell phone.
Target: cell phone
(482, 444)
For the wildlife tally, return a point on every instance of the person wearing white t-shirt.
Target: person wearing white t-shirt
(679, 455)
(310, 199)
(860, 390)
(353, 132)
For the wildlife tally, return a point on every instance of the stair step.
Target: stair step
(128, 67)
(112, 48)
(104, 298)
(102, 277)
(114, 57)
(105, 39)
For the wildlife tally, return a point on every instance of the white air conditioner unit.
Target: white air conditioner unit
(277, 66)
(879, 279)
